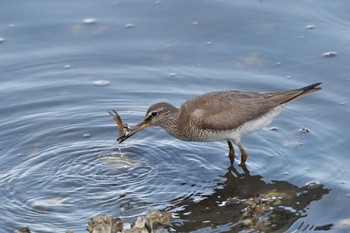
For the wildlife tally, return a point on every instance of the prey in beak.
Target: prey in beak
(124, 131)
(142, 125)
(155, 116)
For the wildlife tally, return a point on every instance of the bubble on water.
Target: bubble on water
(285, 173)
(278, 63)
(2, 39)
(310, 26)
(195, 23)
(87, 135)
(288, 77)
(209, 43)
(172, 74)
(330, 54)
(67, 67)
(129, 25)
(313, 184)
(101, 83)
(89, 21)
(301, 37)
(11, 25)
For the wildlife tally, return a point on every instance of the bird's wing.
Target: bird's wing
(230, 109)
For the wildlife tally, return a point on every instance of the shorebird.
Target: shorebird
(222, 115)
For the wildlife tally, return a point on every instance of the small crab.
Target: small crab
(123, 129)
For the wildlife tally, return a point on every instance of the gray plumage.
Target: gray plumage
(223, 115)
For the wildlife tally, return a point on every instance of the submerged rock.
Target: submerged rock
(233, 201)
(258, 212)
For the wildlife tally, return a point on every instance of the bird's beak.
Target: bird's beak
(134, 130)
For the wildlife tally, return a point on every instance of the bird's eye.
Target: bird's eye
(154, 114)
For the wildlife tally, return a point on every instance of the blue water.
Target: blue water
(60, 163)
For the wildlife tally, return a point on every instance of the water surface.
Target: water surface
(60, 163)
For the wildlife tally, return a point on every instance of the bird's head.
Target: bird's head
(158, 114)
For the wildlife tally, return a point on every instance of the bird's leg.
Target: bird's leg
(231, 153)
(244, 155)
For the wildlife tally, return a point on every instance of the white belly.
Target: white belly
(255, 125)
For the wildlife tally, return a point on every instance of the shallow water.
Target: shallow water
(60, 163)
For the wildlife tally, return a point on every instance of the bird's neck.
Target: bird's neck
(171, 124)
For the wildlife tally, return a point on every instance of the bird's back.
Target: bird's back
(227, 110)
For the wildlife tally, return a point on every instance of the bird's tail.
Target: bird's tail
(310, 89)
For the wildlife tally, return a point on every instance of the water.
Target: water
(60, 164)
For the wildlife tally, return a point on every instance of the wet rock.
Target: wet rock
(23, 230)
(141, 226)
(101, 83)
(89, 21)
(330, 54)
(158, 218)
(304, 130)
(129, 25)
(310, 26)
(104, 224)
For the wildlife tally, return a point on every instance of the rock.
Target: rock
(140, 226)
(23, 230)
(104, 224)
(330, 54)
(304, 130)
(158, 218)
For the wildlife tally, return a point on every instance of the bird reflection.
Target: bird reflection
(248, 193)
